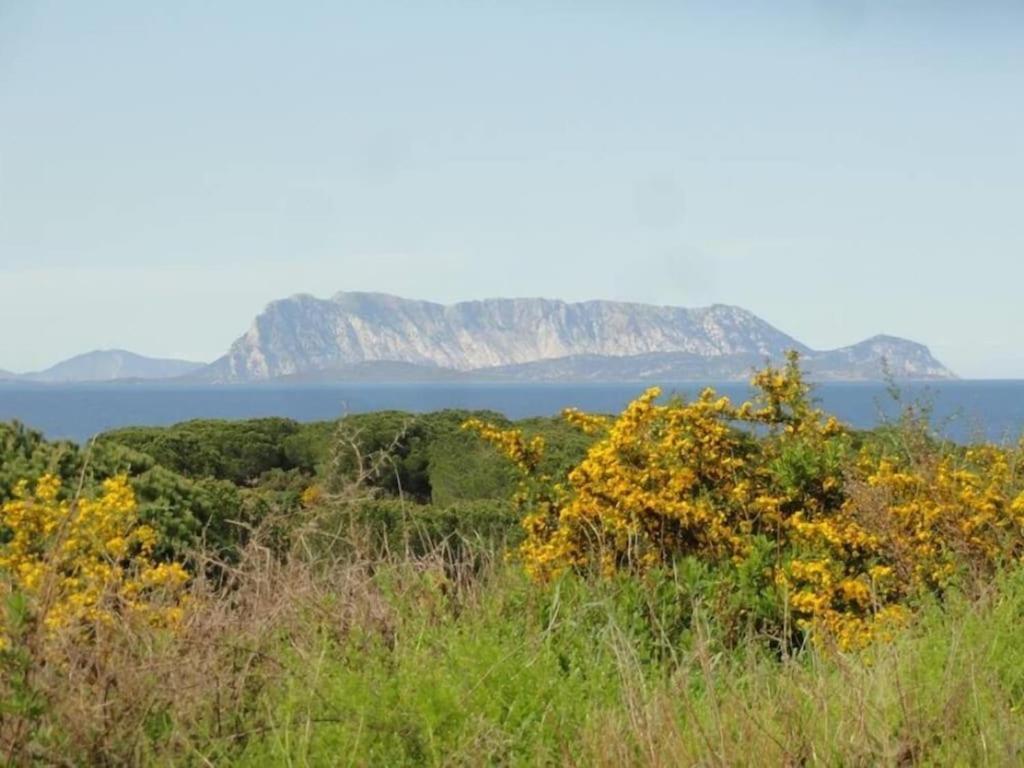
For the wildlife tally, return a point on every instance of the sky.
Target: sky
(841, 168)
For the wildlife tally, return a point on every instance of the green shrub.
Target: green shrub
(392, 451)
(391, 525)
(431, 458)
(237, 451)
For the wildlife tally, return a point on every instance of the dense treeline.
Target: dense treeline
(206, 483)
(239, 451)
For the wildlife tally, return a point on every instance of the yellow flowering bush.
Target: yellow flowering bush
(854, 535)
(82, 562)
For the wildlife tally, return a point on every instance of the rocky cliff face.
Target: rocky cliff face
(303, 335)
(306, 334)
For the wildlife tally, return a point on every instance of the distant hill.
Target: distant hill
(111, 365)
(364, 336)
(903, 359)
(860, 362)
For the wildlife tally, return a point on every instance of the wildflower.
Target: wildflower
(856, 535)
(86, 561)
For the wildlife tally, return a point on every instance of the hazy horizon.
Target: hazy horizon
(840, 168)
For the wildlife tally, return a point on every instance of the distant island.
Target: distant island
(107, 365)
(378, 337)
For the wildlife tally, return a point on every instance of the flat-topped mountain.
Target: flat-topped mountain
(110, 365)
(536, 339)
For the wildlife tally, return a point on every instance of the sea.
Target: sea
(964, 411)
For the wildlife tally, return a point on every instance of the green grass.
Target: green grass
(505, 673)
(423, 660)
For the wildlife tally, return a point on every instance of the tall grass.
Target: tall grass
(352, 655)
(573, 675)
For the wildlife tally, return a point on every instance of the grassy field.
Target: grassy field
(496, 673)
(418, 661)
(460, 659)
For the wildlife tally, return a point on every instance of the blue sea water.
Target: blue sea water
(963, 410)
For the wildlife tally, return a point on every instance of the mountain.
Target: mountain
(111, 365)
(859, 362)
(903, 359)
(349, 335)
(303, 333)
(653, 366)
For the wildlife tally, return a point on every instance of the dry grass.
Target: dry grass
(131, 693)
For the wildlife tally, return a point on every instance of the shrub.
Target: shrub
(382, 525)
(237, 451)
(461, 467)
(84, 561)
(853, 536)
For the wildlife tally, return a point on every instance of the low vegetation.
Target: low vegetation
(685, 583)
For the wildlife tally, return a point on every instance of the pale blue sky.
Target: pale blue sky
(841, 168)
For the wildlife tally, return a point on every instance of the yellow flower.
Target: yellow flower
(855, 535)
(85, 562)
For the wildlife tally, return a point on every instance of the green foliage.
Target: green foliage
(25, 454)
(394, 450)
(416, 642)
(189, 514)
(20, 698)
(429, 457)
(307, 448)
(579, 673)
(393, 525)
(204, 483)
(189, 511)
(461, 467)
(484, 688)
(564, 444)
(237, 451)
(809, 473)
